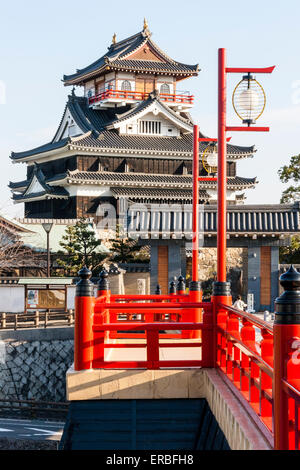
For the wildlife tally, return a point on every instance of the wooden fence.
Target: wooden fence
(37, 319)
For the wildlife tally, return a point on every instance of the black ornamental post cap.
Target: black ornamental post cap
(84, 287)
(221, 288)
(287, 306)
(103, 282)
(195, 286)
(172, 287)
(181, 284)
(158, 290)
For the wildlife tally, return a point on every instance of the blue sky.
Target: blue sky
(41, 41)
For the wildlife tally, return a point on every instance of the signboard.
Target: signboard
(32, 298)
(54, 299)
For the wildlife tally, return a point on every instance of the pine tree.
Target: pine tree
(80, 247)
(126, 250)
(288, 173)
(290, 254)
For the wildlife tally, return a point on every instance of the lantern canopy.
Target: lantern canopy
(249, 99)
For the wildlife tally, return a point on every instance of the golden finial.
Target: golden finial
(145, 24)
(114, 38)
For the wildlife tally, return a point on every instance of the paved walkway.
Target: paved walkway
(31, 429)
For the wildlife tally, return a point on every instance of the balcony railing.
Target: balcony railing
(127, 95)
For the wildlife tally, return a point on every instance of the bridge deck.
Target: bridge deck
(181, 349)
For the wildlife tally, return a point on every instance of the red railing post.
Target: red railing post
(172, 291)
(152, 348)
(233, 353)
(266, 348)
(84, 314)
(221, 295)
(103, 317)
(286, 328)
(156, 316)
(185, 314)
(248, 337)
(195, 295)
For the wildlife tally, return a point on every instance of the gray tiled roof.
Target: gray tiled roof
(48, 191)
(116, 55)
(153, 66)
(19, 184)
(183, 145)
(53, 193)
(246, 219)
(157, 193)
(41, 149)
(100, 138)
(149, 179)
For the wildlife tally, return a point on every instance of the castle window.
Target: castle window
(126, 85)
(150, 127)
(165, 88)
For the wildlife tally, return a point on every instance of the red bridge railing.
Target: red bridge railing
(261, 360)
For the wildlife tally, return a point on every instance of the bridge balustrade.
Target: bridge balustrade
(259, 359)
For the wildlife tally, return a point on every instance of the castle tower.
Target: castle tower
(129, 137)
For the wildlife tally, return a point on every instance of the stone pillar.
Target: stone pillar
(254, 275)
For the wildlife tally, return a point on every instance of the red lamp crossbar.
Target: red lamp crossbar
(249, 69)
(204, 139)
(247, 129)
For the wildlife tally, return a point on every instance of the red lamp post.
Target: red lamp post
(246, 101)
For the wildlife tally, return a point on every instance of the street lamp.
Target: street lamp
(249, 103)
(210, 158)
(47, 227)
(249, 99)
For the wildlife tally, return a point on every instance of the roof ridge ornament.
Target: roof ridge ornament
(146, 28)
(114, 39)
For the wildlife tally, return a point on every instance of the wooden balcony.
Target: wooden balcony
(183, 100)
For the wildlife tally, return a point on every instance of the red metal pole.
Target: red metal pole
(222, 150)
(221, 288)
(195, 247)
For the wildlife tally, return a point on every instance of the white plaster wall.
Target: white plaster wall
(88, 190)
(71, 297)
(12, 299)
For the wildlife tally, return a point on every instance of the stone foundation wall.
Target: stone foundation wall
(236, 258)
(33, 363)
(237, 267)
(237, 420)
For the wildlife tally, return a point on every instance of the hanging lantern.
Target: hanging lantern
(210, 158)
(249, 99)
